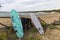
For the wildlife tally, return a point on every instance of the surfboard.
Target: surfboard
(37, 23)
(17, 24)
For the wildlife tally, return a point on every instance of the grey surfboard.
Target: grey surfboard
(37, 23)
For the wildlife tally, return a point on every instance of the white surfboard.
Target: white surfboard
(37, 23)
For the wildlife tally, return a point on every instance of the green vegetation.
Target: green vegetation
(3, 35)
(55, 10)
(33, 34)
(9, 34)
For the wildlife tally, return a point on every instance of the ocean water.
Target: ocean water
(7, 14)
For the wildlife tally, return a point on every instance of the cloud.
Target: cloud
(29, 5)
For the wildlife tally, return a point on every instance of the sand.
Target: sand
(50, 34)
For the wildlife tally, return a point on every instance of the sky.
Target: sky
(29, 5)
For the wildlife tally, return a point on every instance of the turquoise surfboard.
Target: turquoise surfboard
(17, 24)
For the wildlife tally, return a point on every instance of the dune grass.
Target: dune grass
(3, 35)
(32, 34)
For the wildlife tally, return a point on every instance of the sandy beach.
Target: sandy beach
(50, 34)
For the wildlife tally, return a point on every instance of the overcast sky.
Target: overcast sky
(29, 5)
